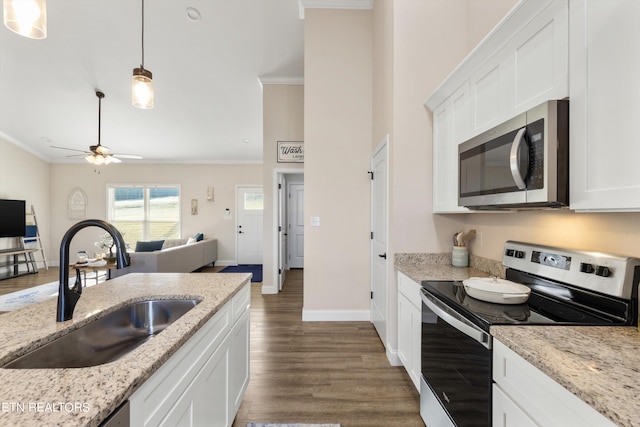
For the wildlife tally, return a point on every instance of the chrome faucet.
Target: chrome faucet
(67, 298)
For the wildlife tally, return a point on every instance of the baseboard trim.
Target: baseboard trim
(336, 315)
(269, 290)
(392, 356)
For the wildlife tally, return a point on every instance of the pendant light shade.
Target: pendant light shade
(26, 17)
(142, 83)
(142, 88)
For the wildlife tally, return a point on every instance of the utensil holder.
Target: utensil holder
(460, 256)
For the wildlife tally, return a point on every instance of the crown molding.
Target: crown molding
(334, 4)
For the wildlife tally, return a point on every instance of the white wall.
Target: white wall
(338, 126)
(193, 179)
(24, 176)
(283, 120)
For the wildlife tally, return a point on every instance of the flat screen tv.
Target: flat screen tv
(12, 218)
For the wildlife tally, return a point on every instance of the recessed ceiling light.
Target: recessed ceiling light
(193, 14)
(246, 141)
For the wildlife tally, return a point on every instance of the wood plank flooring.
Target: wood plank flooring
(29, 280)
(323, 372)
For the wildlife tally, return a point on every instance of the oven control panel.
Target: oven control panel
(606, 273)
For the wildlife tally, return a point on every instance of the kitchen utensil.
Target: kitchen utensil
(468, 236)
(500, 291)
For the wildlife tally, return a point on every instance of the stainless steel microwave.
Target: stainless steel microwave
(522, 163)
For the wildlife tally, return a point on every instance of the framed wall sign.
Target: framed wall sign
(290, 152)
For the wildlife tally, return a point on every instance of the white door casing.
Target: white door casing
(282, 231)
(296, 225)
(249, 208)
(379, 239)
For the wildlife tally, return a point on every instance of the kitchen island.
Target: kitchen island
(86, 396)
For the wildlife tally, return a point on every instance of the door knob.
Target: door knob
(383, 256)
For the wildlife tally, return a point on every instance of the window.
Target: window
(253, 201)
(145, 212)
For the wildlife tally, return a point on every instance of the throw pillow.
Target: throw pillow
(199, 236)
(154, 245)
(191, 240)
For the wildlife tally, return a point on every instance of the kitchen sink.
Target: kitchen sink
(108, 338)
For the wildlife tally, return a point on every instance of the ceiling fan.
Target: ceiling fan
(99, 154)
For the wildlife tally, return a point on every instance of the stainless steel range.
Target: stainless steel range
(564, 287)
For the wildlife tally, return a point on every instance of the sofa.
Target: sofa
(175, 256)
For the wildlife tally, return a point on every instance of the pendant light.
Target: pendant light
(26, 17)
(142, 83)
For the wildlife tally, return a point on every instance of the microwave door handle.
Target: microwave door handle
(514, 161)
(457, 321)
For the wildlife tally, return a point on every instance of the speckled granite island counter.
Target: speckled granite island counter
(600, 365)
(86, 396)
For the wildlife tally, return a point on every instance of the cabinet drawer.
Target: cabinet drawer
(538, 395)
(410, 289)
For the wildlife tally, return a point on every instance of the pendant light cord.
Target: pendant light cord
(142, 65)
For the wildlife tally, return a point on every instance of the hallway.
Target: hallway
(323, 372)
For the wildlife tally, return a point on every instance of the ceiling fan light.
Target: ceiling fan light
(142, 89)
(26, 17)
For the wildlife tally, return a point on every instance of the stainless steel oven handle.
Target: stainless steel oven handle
(513, 159)
(456, 320)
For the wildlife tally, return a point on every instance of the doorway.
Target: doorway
(249, 211)
(288, 238)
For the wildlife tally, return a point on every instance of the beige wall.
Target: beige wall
(24, 176)
(193, 179)
(338, 126)
(283, 120)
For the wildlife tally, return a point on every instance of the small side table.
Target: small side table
(94, 267)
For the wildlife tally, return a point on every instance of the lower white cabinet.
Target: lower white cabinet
(524, 396)
(409, 326)
(204, 382)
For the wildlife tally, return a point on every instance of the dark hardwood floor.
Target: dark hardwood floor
(331, 372)
(29, 280)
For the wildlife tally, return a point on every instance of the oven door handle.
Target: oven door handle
(456, 320)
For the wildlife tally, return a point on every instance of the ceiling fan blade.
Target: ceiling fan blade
(70, 149)
(115, 159)
(76, 155)
(128, 156)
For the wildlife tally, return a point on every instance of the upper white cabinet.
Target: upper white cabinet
(522, 63)
(605, 83)
(451, 127)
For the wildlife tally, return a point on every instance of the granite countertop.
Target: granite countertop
(420, 266)
(86, 396)
(599, 364)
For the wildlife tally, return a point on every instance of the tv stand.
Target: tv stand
(14, 267)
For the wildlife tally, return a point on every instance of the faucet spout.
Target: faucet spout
(68, 298)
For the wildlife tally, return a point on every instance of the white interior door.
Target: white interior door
(296, 225)
(250, 206)
(282, 231)
(379, 241)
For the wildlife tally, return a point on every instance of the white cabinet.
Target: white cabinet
(204, 381)
(409, 327)
(522, 63)
(524, 396)
(450, 128)
(604, 105)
